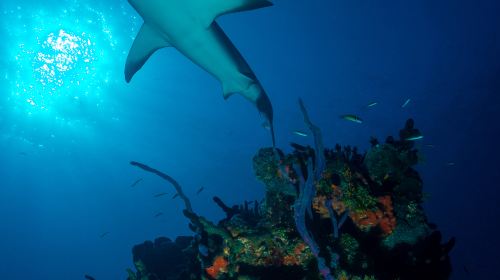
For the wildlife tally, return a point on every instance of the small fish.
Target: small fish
(88, 277)
(104, 234)
(429, 146)
(300, 133)
(136, 182)
(406, 103)
(414, 137)
(158, 214)
(200, 190)
(23, 154)
(451, 163)
(175, 195)
(373, 104)
(352, 118)
(160, 194)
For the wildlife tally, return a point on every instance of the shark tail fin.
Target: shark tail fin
(273, 137)
(145, 44)
(222, 7)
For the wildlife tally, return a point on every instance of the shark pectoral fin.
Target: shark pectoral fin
(217, 8)
(145, 44)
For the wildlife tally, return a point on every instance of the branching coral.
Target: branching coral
(176, 185)
(297, 230)
(307, 192)
(336, 223)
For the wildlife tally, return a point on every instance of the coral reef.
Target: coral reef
(327, 214)
(164, 259)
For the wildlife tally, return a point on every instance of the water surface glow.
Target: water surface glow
(62, 54)
(62, 61)
(63, 68)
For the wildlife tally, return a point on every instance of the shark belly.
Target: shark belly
(190, 27)
(212, 50)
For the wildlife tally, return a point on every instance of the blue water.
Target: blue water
(66, 144)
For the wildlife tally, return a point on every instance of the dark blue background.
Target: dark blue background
(337, 55)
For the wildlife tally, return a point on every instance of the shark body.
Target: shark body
(190, 27)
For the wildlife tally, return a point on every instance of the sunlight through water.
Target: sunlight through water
(62, 61)
(60, 55)
(63, 65)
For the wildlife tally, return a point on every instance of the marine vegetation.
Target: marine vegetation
(327, 214)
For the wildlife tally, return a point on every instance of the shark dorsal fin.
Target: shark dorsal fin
(145, 44)
(217, 8)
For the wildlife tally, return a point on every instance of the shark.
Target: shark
(190, 27)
